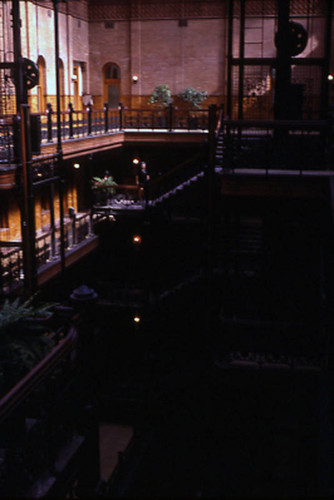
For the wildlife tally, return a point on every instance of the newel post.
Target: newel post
(70, 117)
(89, 110)
(49, 112)
(106, 123)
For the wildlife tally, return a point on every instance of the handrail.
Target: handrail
(289, 124)
(220, 120)
(177, 168)
(29, 382)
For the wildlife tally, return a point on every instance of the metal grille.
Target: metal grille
(269, 7)
(257, 100)
(257, 8)
(308, 7)
(310, 77)
(7, 87)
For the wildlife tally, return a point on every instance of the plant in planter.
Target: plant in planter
(193, 96)
(105, 187)
(23, 338)
(161, 96)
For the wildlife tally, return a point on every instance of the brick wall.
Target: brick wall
(159, 52)
(38, 40)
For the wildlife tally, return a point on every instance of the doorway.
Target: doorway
(111, 85)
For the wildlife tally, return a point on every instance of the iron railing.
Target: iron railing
(8, 139)
(32, 448)
(276, 145)
(47, 246)
(88, 122)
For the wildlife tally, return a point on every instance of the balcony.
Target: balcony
(240, 148)
(79, 240)
(108, 128)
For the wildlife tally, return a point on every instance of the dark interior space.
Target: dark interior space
(166, 249)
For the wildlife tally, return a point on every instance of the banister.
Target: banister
(288, 124)
(177, 168)
(33, 379)
(220, 120)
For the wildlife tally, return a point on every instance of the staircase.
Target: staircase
(176, 190)
(219, 158)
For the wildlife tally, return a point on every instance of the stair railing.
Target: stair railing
(39, 421)
(176, 176)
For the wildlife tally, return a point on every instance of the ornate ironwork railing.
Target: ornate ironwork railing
(48, 249)
(8, 140)
(38, 423)
(11, 264)
(272, 145)
(88, 122)
(176, 178)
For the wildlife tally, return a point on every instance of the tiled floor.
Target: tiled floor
(113, 439)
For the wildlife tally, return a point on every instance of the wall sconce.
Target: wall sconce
(135, 160)
(134, 79)
(136, 319)
(330, 77)
(76, 165)
(136, 239)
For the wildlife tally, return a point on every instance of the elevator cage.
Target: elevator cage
(253, 26)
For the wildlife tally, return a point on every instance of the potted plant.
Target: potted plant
(161, 96)
(24, 338)
(193, 97)
(105, 188)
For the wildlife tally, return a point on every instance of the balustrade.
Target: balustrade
(8, 140)
(47, 247)
(269, 145)
(84, 123)
(41, 432)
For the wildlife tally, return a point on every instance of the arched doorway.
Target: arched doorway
(41, 89)
(111, 84)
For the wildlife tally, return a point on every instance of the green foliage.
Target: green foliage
(161, 95)
(193, 96)
(23, 340)
(105, 184)
(14, 312)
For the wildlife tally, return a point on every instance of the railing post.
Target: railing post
(49, 112)
(70, 117)
(222, 108)
(17, 138)
(106, 124)
(120, 109)
(28, 206)
(72, 215)
(1, 273)
(170, 117)
(89, 110)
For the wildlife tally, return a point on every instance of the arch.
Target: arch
(41, 88)
(112, 71)
(111, 84)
